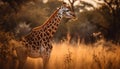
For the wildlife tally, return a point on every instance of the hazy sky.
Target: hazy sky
(93, 2)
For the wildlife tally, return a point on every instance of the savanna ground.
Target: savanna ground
(100, 55)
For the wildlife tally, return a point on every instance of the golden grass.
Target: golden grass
(101, 55)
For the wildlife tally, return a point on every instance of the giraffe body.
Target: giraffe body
(38, 42)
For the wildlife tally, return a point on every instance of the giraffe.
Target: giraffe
(38, 42)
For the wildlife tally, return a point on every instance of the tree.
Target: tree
(72, 4)
(110, 10)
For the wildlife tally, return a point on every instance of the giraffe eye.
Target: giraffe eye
(67, 10)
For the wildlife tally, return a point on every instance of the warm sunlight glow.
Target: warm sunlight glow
(93, 2)
(33, 63)
(45, 1)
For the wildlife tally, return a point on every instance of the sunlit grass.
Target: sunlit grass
(64, 55)
(101, 55)
(33, 63)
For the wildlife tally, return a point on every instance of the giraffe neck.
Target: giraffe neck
(51, 25)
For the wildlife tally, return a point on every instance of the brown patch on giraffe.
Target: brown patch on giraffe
(33, 47)
(41, 35)
(57, 24)
(55, 28)
(26, 45)
(59, 17)
(49, 30)
(45, 42)
(38, 47)
(47, 49)
(37, 36)
(47, 33)
(55, 19)
(52, 27)
(32, 39)
(30, 42)
(47, 37)
(44, 39)
(49, 45)
(34, 43)
(38, 43)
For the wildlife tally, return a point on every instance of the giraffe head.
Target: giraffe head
(66, 11)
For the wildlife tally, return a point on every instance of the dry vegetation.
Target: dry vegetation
(66, 55)
(101, 55)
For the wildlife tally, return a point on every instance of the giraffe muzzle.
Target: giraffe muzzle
(73, 14)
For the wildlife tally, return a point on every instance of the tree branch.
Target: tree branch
(72, 4)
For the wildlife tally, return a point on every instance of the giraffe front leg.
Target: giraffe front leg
(46, 61)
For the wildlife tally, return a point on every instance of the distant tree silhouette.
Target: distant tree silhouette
(111, 11)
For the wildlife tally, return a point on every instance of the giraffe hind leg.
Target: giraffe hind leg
(22, 56)
(45, 62)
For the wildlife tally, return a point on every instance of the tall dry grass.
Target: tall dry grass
(101, 55)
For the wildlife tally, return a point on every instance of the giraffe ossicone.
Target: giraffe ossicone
(38, 42)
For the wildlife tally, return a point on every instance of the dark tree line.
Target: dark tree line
(111, 11)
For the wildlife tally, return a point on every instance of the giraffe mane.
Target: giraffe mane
(46, 22)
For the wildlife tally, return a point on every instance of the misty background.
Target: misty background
(100, 18)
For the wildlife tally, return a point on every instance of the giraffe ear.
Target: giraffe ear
(65, 4)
